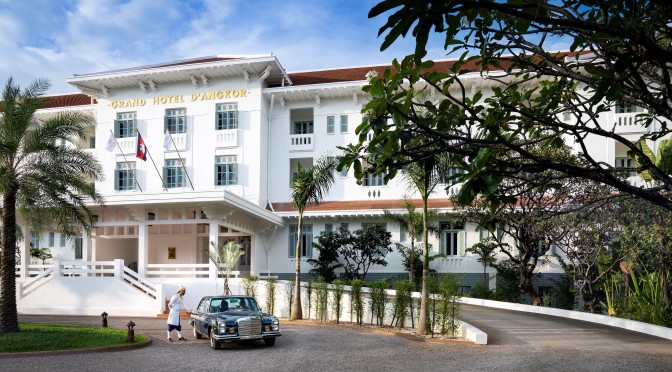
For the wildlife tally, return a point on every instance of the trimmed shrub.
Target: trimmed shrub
(356, 300)
(337, 298)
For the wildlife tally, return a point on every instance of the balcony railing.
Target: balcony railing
(226, 138)
(629, 123)
(180, 140)
(301, 142)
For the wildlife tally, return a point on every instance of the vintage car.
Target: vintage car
(233, 318)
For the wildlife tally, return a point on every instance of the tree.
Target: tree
(411, 221)
(309, 186)
(328, 243)
(48, 183)
(364, 248)
(42, 254)
(620, 52)
(486, 251)
(225, 257)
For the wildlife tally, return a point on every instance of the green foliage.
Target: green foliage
(289, 292)
(321, 294)
(356, 300)
(225, 257)
(337, 298)
(45, 337)
(479, 290)
(450, 305)
(564, 293)
(402, 302)
(364, 248)
(378, 301)
(507, 282)
(271, 285)
(328, 243)
(43, 254)
(485, 250)
(250, 285)
(647, 299)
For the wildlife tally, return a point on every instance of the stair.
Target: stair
(164, 315)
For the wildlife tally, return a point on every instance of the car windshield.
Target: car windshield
(220, 304)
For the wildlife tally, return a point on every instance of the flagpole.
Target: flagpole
(178, 155)
(152, 159)
(126, 160)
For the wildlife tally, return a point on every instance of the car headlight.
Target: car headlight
(222, 327)
(275, 324)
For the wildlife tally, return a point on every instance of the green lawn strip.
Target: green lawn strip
(43, 337)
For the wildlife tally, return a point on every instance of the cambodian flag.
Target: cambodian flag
(141, 150)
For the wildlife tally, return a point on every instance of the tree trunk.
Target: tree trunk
(411, 261)
(9, 321)
(297, 312)
(422, 320)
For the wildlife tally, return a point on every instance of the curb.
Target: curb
(106, 349)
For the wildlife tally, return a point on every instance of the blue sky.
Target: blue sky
(58, 38)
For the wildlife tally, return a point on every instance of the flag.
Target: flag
(141, 150)
(111, 143)
(167, 140)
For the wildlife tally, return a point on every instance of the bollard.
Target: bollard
(104, 315)
(131, 333)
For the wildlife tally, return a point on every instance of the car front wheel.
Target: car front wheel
(214, 344)
(196, 334)
(269, 341)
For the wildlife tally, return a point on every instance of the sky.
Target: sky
(56, 39)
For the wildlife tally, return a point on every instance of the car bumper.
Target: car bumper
(230, 337)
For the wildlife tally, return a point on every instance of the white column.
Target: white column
(254, 260)
(213, 237)
(143, 248)
(85, 247)
(25, 253)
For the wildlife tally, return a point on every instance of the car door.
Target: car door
(200, 314)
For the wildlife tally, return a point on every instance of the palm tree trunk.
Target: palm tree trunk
(297, 312)
(422, 320)
(9, 321)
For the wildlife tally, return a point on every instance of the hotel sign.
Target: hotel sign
(168, 100)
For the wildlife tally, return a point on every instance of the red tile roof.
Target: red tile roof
(67, 100)
(356, 205)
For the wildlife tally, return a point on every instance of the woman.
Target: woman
(176, 305)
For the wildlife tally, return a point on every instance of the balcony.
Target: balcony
(127, 145)
(181, 142)
(226, 138)
(629, 123)
(301, 142)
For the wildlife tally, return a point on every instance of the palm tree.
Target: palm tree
(46, 182)
(424, 175)
(309, 186)
(486, 251)
(225, 258)
(411, 221)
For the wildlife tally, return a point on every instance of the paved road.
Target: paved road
(519, 342)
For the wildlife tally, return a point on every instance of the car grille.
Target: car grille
(249, 326)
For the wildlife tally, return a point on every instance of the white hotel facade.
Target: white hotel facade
(239, 126)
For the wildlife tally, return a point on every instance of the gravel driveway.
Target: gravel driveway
(307, 347)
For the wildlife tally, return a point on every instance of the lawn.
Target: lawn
(42, 337)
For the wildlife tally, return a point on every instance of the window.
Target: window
(451, 238)
(52, 239)
(402, 233)
(226, 170)
(369, 224)
(123, 176)
(306, 240)
(624, 163)
(78, 248)
(344, 123)
(328, 227)
(345, 226)
(34, 240)
(173, 174)
(371, 179)
(303, 127)
(176, 120)
(62, 242)
(450, 177)
(227, 116)
(331, 123)
(92, 142)
(124, 126)
(624, 108)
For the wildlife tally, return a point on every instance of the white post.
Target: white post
(143, 246)
(25, 254)
(254, 264)
(213, 237)
(57, 268)
(159, 298)
(119, 268)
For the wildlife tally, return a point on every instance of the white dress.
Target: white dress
(177, 306)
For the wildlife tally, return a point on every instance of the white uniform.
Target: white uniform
(176, 305)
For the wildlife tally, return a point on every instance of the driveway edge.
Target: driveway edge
(106, 349)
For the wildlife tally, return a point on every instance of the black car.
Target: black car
(233, 318)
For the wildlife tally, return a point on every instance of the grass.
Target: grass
(43, 337)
